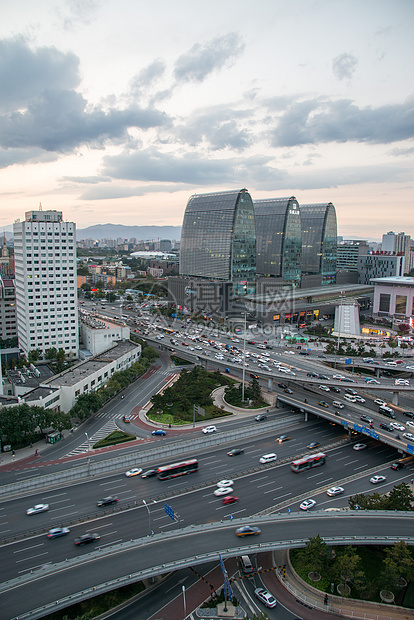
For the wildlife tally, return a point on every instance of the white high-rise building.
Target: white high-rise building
(46, 282)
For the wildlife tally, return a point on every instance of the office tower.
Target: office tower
(399, 243)
(278, 238)
(319, 241)
(380, 265)
(348, 252)
(46, 293)
(218, 239)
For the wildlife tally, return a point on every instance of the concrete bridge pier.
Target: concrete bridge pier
(270, 384)
(377, 372)
(395, 398)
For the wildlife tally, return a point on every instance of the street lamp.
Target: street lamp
(244, 355)
(89, 460)
(149, 514)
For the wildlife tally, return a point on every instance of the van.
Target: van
(338, 404)
(247, 566)
(267, 458)
(350, 398)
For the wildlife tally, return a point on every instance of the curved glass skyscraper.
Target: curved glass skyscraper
(279, 238)
(319, 240)
(218, 239)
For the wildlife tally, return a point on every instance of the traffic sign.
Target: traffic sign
(169, 511)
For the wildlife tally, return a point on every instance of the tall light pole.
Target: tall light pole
(149, 514)
(339, 320)
(185, 605)
(244, 355)
(89, 460)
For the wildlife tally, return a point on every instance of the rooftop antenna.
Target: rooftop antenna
(40, 206)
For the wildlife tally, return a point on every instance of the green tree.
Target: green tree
(399, 560)
(345, 566)
(34, 355)
(400, 497)
(255, 390)
(316, 553)
(51, 354)
(60, 360)
(389, 576)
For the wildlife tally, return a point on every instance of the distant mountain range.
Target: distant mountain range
(141, 233)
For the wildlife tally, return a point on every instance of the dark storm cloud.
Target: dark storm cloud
(344, 65)
(219, 128)
(313, 122)
(152, 165)
(29, 72)
(201, 60)
(58, 121)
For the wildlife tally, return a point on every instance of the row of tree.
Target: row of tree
(400, 497)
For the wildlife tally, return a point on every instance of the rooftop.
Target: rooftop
(394, 280)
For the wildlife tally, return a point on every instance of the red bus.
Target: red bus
(177, 469)
(313, 460)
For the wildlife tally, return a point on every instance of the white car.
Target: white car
(377, 479)
(391, 363)
(324, 388)
(225, 483)
(380, 402)
(338, 377)
(268, 458)
(334, 491)
(410, 423)
(265, 597)
(133, 472)
(410, 367)
(209, 429)
(223, 491)
(402, 382)
(307, 504)
(359, 398)
(37, 508)
(359, 446)
(372, 381)
(397, 426)
(283, 369)
(409, 436)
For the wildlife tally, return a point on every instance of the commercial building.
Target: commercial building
(394, 298)
(98, 333)
(46, 288)
(319, 241)
(380, 265)
(8, 325)
(398, 243)
(278, 239)
(348, 252)
(218, 240)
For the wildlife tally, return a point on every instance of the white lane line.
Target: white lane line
(280, 496)
(259, 486)
(110, 533)
(273, 490)
(360, 467)
(258, 479)
(315, 476)
(352, 462)
(114, 542)
(103, 484)
(31, 558)
(52, 496)
(343, 458)
(99, 527)
(25, 570)
(60, 501)
(63, 507)
(4, 523)
(27, 548)
(4, 531)
(66, 515)
(327, 480)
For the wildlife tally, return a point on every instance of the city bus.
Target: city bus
(313, 460)
(177, 469)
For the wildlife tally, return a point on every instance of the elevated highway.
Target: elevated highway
(55, 586)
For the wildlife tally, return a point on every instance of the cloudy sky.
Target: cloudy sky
(120, 111)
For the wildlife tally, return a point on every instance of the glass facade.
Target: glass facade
(319, 240)
(218, 239)
(400, 304)
(278, 238)
(384, 302)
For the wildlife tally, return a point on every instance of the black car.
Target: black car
(283, 386)
(397, 465)
(149, 474)
(235, 451)
(313, 374)
(86, 538)
(386, 427)
(366, 418)
(324, 377)
(261, 417)
(107, 501)
(335, 389)
(347, 380)
(303, 352)
(350, 391)
(409, 414)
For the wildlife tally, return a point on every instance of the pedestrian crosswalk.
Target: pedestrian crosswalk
(103, 432)
(115, 415)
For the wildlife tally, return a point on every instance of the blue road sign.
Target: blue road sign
(348, 360)
(169, 511)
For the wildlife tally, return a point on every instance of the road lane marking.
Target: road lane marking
(32, 557)
(280, 496)
(51, 496)
(273, 490)
(27, 548)
(66, 515)
(63, 507)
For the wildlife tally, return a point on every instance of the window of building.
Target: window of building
(384, 302)
(400, 304)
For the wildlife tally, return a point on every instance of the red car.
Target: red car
(230, 499)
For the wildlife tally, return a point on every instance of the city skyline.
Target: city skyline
(120, 113)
